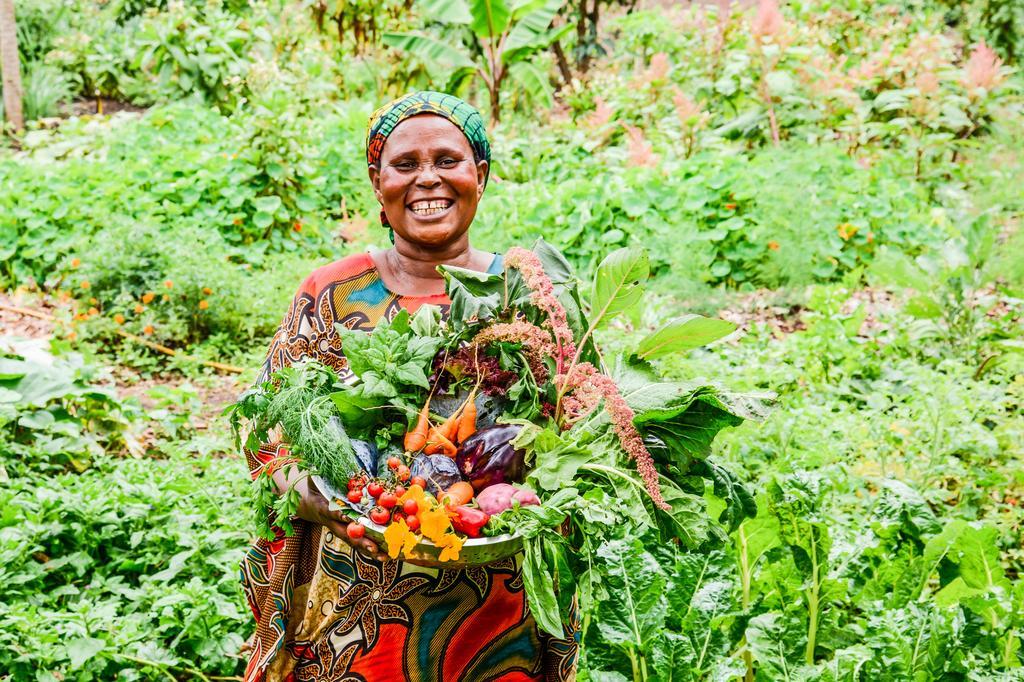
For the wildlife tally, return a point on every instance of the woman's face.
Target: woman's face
(428, 182)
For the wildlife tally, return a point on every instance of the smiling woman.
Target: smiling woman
(330, 608)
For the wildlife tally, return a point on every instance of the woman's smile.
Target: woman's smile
(430, 208)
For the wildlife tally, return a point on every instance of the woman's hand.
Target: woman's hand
(315, 508)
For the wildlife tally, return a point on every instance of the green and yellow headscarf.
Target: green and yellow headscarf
(465, 117)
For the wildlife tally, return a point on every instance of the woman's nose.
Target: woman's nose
(428, 176)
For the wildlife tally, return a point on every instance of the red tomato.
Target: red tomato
(355, 530)
(388, 500)
(398, 514)
(410, 507)
(394, 462)
(380, 516)
(375, 489)
(399, 490)
(403, 473)
(413, 522)
(418, 480)
(355, 495)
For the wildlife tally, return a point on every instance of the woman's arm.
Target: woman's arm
(290, 344)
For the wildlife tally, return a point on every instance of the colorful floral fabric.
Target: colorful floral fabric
(324, 612)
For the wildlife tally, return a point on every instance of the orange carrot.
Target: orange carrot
(437, 443)
(450, 427)
(416, 439)
(467, 422)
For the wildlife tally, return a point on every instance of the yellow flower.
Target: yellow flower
(119, 318)
(399, 538)
(434, 523)
(451, 545)
(207, 291)
(203, 305)
(148, 297)
(415, 492)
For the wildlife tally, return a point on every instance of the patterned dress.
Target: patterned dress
(324, 612)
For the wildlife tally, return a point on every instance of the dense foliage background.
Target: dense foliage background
(840, 177)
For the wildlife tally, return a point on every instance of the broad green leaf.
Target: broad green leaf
(618, 284)
(82, 650)
(556, 461)
(429, 49)
(540, 588)
(533, 81)
(532, 27)
(634, 612)
(754, 537)
(683, 334)
(490, 18)
(893, 267)
(447, 11)
(474, 295)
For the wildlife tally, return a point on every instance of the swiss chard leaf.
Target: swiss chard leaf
(634, 613)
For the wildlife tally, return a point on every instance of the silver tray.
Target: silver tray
(475, 551)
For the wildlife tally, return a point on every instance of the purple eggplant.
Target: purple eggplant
(487, 457)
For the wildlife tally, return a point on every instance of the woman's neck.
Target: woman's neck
(411, 270)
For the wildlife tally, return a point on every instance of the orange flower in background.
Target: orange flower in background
(207, 291)
(687, 110)
(119, 318)
(768, 21)
(927, 82)
(773, 245)
(236, 222)
(846, 230)
(147, 330)
(658, 69)
(641, 153)
(148, 297)
(85, 284)
(93, 311)
(71, 336)
(982, 69)
(169, 284)
(139, 308)
(297, 226)
(81, 317)
(75, 262)
(165, 298)
(203, 305)
(601, 114)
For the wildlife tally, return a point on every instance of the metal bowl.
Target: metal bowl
(475, 551)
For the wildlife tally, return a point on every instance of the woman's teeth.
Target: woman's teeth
(426, 208)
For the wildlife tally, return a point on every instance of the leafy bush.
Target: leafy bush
(737, 215)
(52, 418)
(129, 569)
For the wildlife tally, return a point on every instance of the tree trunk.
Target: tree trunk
(9, 66)
(563, 63)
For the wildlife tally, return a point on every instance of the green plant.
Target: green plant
(503, 39)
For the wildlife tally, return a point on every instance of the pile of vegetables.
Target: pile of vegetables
(507, 418)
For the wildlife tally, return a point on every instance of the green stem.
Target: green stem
(812, 603)
(163, 667)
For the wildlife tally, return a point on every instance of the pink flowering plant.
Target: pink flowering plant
(609, 444)
(595, 446)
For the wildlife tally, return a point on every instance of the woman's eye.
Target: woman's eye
(447, 163)
(405, 165)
